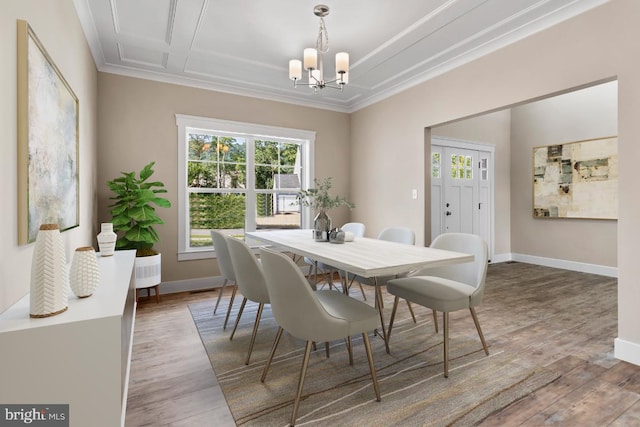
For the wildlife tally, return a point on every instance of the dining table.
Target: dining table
(365, 257)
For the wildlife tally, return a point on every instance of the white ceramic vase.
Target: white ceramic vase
(107, 239)
(84, 275)
(49, 275)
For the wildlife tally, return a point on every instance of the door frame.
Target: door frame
(442, 141)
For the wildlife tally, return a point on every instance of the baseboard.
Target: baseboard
(627, 351)
(496, 258)
(199, 284)
(602, 270)
(188, 285)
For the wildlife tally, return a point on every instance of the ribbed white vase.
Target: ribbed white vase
(107, 239)
(84, 275)
(49, 276)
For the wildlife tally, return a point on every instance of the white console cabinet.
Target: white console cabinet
(79, 357)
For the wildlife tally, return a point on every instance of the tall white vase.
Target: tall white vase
(107, 239)
(84, 276)
(49, 275)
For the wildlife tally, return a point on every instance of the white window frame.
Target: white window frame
(248, 131)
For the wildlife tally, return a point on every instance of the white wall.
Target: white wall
(56, 24)
(596, 46)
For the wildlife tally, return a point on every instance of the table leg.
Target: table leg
(345, 284)
(378, 305)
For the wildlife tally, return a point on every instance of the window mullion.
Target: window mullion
(250, 220)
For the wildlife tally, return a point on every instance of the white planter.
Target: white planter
(147, 271)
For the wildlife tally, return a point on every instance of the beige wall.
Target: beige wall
(596, 46)
(137, 125)
(494, 129)
(56, 24)
(584, 114)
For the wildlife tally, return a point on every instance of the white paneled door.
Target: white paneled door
(461, 200)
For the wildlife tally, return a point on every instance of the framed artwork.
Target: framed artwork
(576, 180)
(47, 141)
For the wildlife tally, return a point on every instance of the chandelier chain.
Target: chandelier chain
(322, 43)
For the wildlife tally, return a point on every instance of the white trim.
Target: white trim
(497, 258)
(199, 284)
(602, 270)
(627, 351)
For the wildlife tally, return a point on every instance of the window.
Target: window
(237, 177)
(461, 167)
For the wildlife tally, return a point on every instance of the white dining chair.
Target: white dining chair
(319, 316)
(447, 288)
(226, 268)
(251, 284)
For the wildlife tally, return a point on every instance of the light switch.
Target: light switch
(414, 194)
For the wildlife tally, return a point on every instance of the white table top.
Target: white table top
(364, 256)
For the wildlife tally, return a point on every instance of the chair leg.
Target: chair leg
(224, 285)
(303, 373)
(233, 296)
(271, 354)
(411, 311)
(445, 320)
(255, 332)
(475, 320)
(326, 349)
(350, 350)
(435, 319)
(235, 326)
(393, 315)
(372, 367)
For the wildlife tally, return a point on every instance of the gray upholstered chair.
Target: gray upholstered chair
(448, 288)
(313, 316)
(250, 282)
(226, 268)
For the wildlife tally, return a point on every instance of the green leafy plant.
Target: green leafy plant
(133, 214)
(318, 197)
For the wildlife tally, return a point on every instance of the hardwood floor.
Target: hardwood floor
(564, 320)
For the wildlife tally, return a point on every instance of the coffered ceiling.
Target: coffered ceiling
(244, 46)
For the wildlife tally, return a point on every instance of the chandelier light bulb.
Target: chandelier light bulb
(295, 69)
(310, 59)
(342, 62)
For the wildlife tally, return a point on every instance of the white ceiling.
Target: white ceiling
(244, 46)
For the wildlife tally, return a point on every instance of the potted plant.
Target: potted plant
(318, 199)
(134, 216)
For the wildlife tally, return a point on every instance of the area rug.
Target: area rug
(414, 390)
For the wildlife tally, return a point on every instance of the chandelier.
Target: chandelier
(313, 61)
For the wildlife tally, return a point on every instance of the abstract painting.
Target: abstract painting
(576, 180)
(47, 141)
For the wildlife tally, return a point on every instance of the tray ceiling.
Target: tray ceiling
(244, 46)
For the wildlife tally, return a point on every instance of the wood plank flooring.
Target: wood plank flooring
(564, 320)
